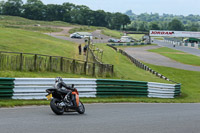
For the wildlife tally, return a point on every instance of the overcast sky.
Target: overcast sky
(176, 7)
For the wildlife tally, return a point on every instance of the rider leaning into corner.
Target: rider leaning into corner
(59, 84)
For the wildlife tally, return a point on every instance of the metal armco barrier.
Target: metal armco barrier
(34, 88)
(163, 90)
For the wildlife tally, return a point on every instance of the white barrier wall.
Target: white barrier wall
(35, 88)
(194, 45)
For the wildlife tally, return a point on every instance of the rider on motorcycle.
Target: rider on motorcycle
(59, 84)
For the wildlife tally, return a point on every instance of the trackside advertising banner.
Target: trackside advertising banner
(174, 33)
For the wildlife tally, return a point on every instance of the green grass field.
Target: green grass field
(16, 40)
(19, 74)
(84, 29)
(136, 36)
(189, 80)
(112, 33)
(158, 38)
(14, 20)
(31, 25)
(178, 56)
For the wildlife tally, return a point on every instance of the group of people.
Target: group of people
(80, 49)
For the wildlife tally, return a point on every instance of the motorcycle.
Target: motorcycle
(59, 105)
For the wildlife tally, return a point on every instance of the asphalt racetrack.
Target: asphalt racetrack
(104, 118)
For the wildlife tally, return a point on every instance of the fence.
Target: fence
(141, 65)
(105, 70)
(37, 62)
(34, 88)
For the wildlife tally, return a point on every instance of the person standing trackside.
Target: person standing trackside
(79, 49)
(85, 49)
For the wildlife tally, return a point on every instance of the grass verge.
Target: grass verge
(16, 40)
(189, 82)
(84, 29)
(112, 33)
(178, 56)
(124, 68)
(136, 36)
(31, 25)
(19, 74)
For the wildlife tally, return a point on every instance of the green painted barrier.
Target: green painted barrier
(135, 43)
(107, 88)
(6, 87)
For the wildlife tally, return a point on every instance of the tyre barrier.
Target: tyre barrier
(35, 88)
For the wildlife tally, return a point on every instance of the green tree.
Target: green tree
(54, 12)
(125, 21)
(163, 25)
(143, 26)
(192, 26)
(133, 26)
(12, 7)
(34, 9)
(154, 26)
(1, 6)
(176, 25)
(99, 18)
(81, 15)
(118, 21)
(67, 11)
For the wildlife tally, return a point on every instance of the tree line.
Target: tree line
(146, 22)
(67, 12)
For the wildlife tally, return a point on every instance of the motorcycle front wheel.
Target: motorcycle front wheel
(81, 108)
(55, 107)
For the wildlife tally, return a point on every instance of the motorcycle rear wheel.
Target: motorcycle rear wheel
(81, 108)
(55, 108)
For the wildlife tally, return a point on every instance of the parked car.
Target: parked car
(75, 35)
(81, 35)
(113, 40)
